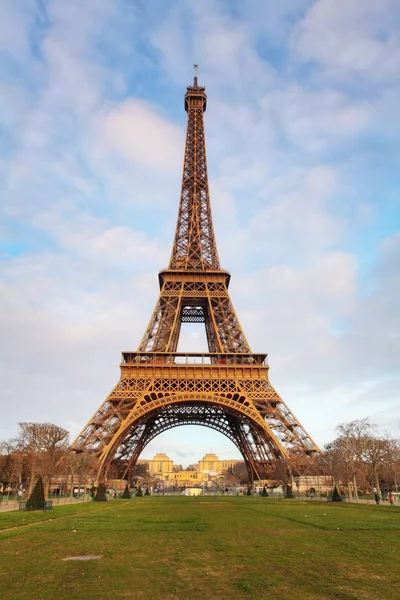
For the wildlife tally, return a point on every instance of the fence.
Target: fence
(11, 502)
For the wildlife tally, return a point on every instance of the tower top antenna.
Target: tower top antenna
(195, 69)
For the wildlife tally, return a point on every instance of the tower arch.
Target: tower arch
(232, 415)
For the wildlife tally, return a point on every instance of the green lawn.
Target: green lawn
(200, 548)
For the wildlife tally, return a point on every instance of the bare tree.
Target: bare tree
(331, 462)
(44, 444)
(359, 451)
(13, 463)
(352, 443)
(72, 463)
(88, 466)
(377, 454)
(391, 470)
(282, 474)
(79, 466)
(240, 471)
(230, 478)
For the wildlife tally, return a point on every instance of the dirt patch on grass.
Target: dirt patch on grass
(86, 557)
(266, 531)
(357, 571)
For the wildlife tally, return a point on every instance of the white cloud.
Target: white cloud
(352, 37)
(143, 136)
(296, 216)
(93, 238)
(66, 321)
(15, 23)
(221, 44)
(316, 119)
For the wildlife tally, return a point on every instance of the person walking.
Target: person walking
(376, 498)
(390, 498)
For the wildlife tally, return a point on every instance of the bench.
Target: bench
(46, 505)
(342, 499)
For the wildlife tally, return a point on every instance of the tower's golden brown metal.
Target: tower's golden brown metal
(228, 388)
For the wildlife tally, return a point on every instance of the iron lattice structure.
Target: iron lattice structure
(228, 388)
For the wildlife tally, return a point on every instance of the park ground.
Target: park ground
(202, 548)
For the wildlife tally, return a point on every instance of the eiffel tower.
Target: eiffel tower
(226, 389)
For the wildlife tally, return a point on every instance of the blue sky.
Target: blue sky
(302, 131)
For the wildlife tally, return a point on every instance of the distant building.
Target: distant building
(211, 462)
(182, 478)
(313, 483)
(160, 465)
(210, 466)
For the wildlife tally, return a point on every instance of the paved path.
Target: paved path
(14, 504)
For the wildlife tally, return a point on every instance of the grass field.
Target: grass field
(200, 548)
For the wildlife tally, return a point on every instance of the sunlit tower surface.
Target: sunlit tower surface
(227, 388)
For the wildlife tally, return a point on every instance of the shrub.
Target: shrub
(126, 495)
(36, 500)
(336, 497)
